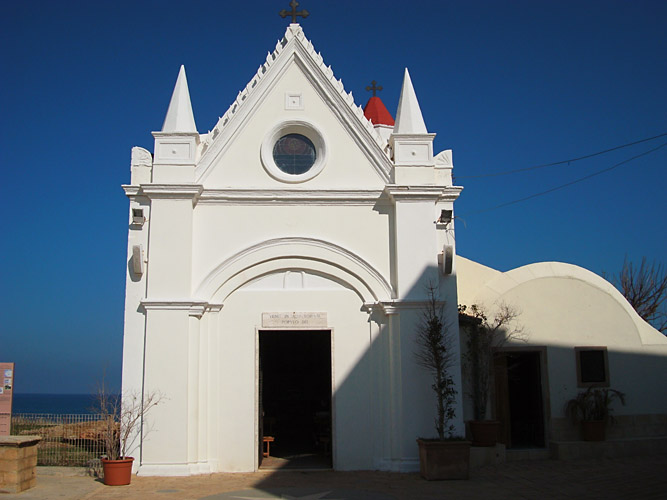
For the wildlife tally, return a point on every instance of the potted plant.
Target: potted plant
(447, 456)
(483, 340)
(592, 408)
(121, 418)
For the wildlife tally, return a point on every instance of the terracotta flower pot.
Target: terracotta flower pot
(440, 460)
(484, 432)
(117, 472)
(593, 430)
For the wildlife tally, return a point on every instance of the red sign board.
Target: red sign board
(6, 391)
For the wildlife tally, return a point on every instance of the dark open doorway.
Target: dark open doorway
(519, 399)
(295, 399)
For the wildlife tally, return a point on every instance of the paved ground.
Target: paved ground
(626, 478)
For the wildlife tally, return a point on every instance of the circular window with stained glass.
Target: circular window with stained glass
(294, 154)
(293, 151)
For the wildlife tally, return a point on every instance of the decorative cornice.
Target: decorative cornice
(444, 159)
(171, 304)
(295, 46)
(256, 196)
(290, 196)
(176, 134)
(423, 193)
(411, 137)
(141, 157)
(380, 307)
(174, 191)
(195, 308)
(131, 190)
(396, 306)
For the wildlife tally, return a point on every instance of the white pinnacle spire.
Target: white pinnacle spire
(179, 115)
(409, 118)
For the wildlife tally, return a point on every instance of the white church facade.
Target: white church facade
(277, 267)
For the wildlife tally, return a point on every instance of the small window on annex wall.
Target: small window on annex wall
(592, 366)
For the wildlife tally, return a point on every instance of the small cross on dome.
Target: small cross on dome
(293, 13)
(373, 87)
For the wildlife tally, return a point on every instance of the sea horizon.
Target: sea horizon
(61, 404)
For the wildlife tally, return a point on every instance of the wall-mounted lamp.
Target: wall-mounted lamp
(138, 216)
(445, 217)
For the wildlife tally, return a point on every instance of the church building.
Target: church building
(277, 269)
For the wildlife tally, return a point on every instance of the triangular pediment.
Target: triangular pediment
(293, 85)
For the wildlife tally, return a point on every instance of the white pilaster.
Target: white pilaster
(169, 353)
(165, 438)
(396, 390)
(193, 389)
(202, 390)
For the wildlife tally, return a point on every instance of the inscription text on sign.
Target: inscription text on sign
(294, 319)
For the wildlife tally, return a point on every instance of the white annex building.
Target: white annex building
(277, 266)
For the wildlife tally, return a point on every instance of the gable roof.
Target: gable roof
(294, 46)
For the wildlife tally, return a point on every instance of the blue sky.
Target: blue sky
(506, 85)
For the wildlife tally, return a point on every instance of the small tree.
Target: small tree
(122, 417)
(594, 404)
(483, 339)
(434, 352)
(645, 288)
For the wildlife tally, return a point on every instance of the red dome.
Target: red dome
(377, 113)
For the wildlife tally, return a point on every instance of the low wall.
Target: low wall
(624, 427)
(629, 435)
(18, 463)
(614, 448)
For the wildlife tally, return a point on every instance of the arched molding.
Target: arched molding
(285, 254)
(494, 290)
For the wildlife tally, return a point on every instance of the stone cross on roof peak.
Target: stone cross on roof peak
(293, 13)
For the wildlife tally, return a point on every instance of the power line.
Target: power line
(571, 182)
(535, 167)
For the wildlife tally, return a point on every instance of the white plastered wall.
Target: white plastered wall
(222, 232)
(561, 307)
